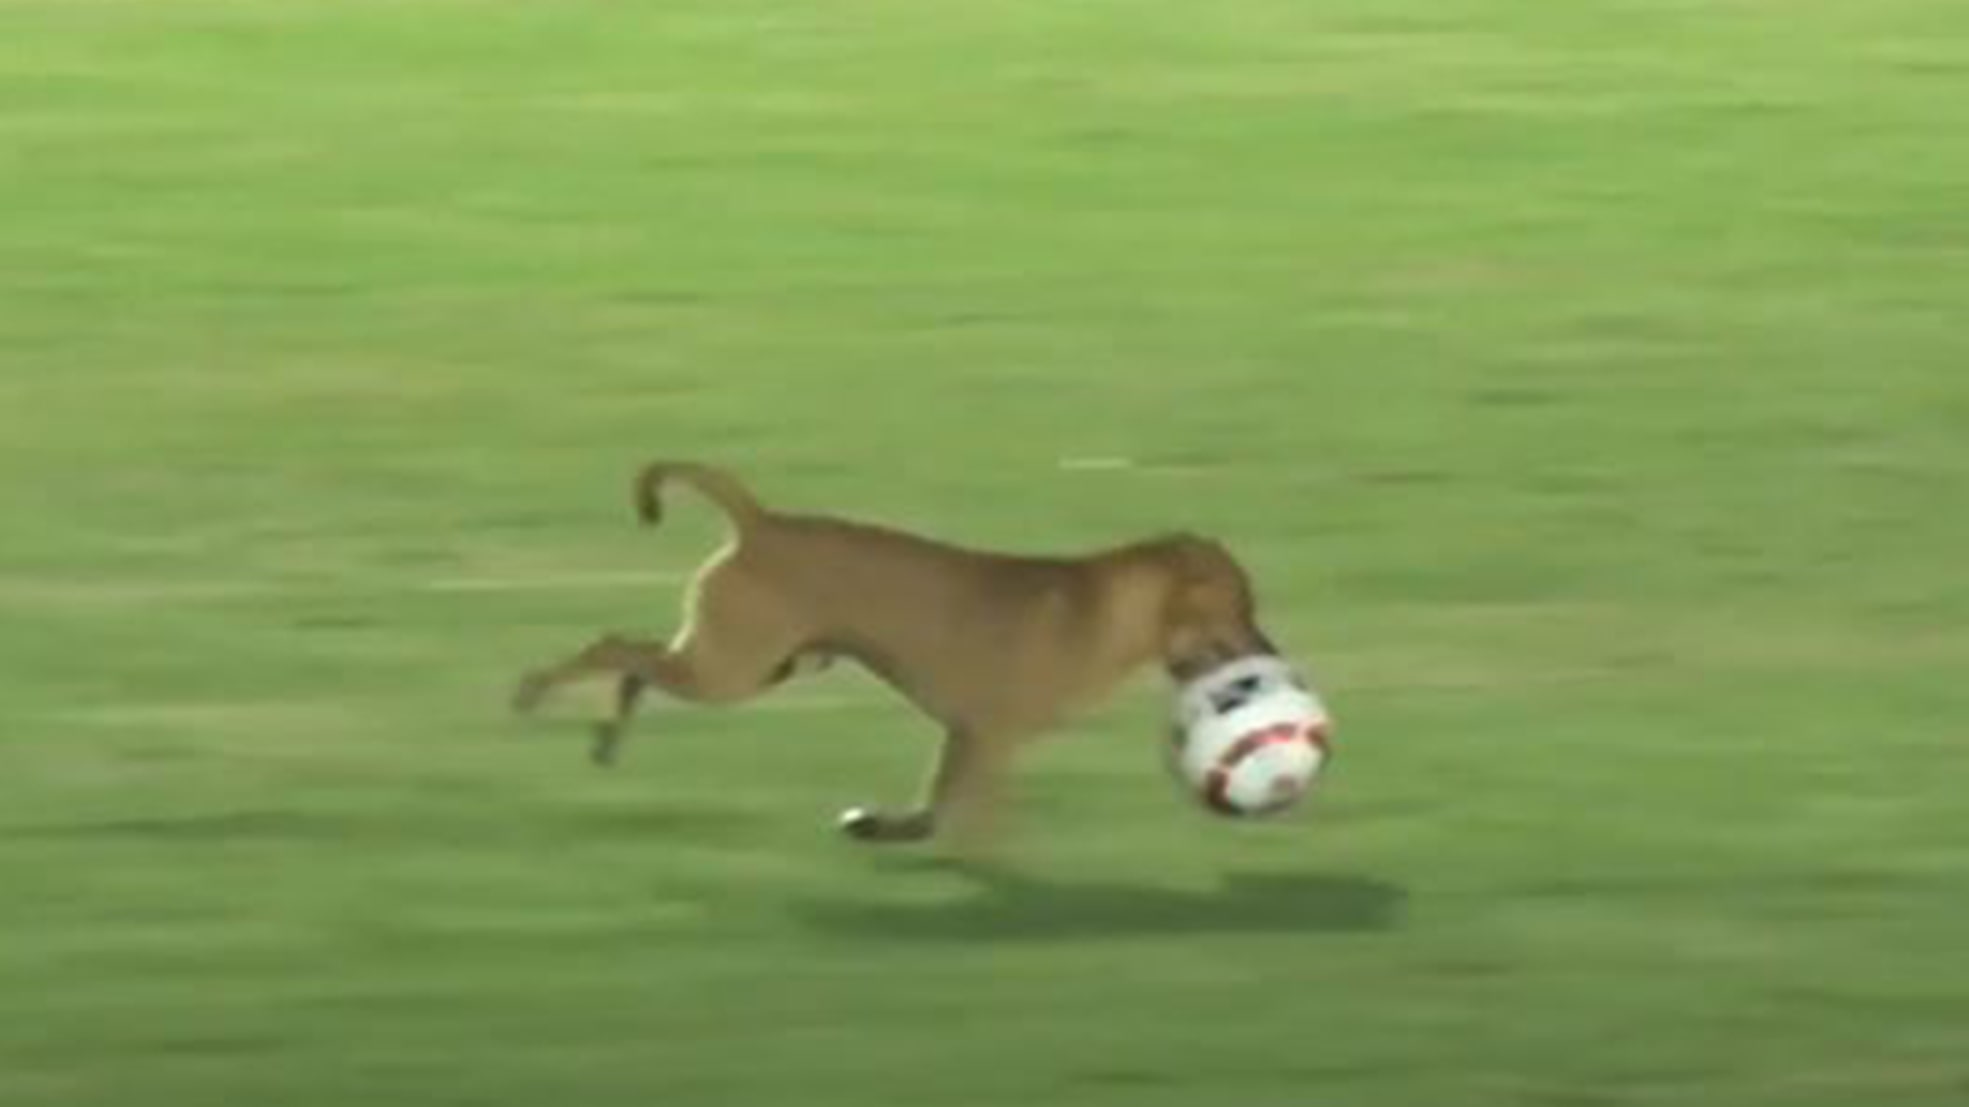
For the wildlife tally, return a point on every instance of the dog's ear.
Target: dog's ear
(1210, 616)
(1186, 652)
(1203, 627)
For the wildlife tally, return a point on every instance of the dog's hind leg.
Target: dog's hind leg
(629, 690)
(737, 642)
(688, 670)
(608, 733)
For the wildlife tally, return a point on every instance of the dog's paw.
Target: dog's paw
(528, 693)
(867, 825)
(861, 824)
(608, 739)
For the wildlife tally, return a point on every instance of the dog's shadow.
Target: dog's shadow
(1007, 906)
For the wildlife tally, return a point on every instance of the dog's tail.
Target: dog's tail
(714, 484)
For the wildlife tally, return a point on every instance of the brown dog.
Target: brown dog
(996, 648)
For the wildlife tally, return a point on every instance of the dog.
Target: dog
(996, 648)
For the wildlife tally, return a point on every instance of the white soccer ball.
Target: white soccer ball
(1250, 737)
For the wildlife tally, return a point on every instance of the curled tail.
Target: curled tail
(714, 484)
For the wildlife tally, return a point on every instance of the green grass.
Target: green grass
(1587, 384)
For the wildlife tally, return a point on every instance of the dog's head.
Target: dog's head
(1211, 615)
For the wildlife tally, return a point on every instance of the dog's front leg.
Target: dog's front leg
(960, 798)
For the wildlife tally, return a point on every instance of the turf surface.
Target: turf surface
(1585, 383)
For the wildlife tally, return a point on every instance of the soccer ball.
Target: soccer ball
(1250, 737)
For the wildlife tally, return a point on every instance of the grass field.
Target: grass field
(1587, 384)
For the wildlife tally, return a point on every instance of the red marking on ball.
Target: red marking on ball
(1216, 786)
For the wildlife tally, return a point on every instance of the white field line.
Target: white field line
(114, 591)
(573, 707)
(547, 582)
